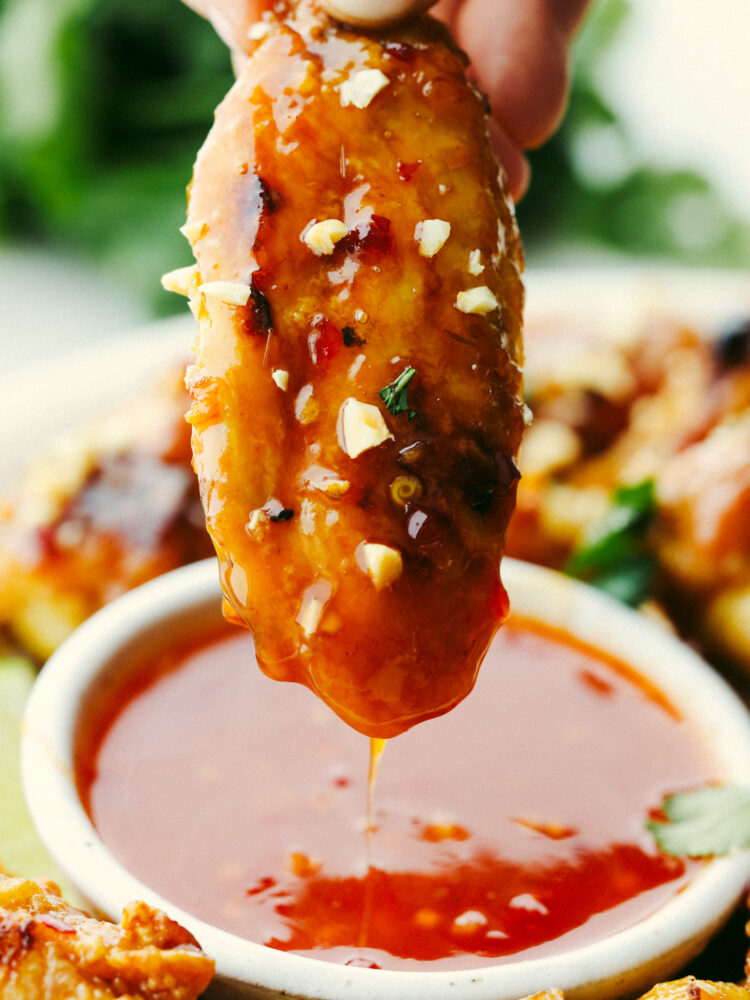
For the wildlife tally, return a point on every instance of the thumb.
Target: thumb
(373, 13)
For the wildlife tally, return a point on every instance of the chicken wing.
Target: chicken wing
(51, 951)
(357, 393)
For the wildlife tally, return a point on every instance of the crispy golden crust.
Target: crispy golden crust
(691, 988)
(393, 633)
(113, 505)
(51, 951)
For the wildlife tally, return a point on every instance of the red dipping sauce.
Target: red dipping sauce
(516, 823)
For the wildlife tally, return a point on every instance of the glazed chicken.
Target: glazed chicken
(356, 397)
(52, 951)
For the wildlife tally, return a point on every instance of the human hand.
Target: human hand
(518, 50)
(373, 13)
(519, 56)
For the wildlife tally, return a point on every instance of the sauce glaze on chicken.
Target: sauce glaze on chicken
(356, 401)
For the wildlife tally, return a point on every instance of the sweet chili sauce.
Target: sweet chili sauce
(513, 824)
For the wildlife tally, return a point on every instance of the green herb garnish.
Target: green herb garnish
(708, 821)
(616, 558)
(395, 395)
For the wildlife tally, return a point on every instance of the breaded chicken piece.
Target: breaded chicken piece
(691, 988)
(357, 394)
(110, 505)
(51, 951)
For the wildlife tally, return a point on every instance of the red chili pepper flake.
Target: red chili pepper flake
(258, 316)
(401, 51)
(373, 237)
(350, 337)
(261, 886)
(46, 538)
(407, 170)
(324, 342)
(597, 684)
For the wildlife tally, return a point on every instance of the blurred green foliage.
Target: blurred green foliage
(590, 188)
(101, 157)
(103, 104)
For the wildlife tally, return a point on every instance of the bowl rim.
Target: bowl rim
(692, 686)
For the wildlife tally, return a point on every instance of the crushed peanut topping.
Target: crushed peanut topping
(361, 426)
(194, 231)
(257, 518)
(382, 563)
(362, 87)
(431, 235)
(323, 236)
(478, 301)
(258, 31)
(233, 292)
(306, 408)
(475, 262)
(281, 378)
(313, 604)
(183, 280)
(335, 488)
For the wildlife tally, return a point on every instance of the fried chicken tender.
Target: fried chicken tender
(51, 951)
(357, 394)
(691, 988)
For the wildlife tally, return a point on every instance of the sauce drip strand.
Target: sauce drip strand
(377, 746)
(513, 824)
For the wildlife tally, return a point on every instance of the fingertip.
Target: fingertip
(521, 61)
(373, 13)
(514, 164)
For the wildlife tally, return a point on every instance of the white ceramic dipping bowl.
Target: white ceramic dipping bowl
(182, 604)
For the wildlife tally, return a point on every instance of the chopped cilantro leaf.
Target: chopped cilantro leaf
(395, 395)
(708, 821)
(616, 558)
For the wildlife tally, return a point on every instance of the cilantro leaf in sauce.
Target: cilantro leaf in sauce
(396, 395)
(616, 558)
(708, 821)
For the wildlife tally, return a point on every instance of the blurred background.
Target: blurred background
(103, 104)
